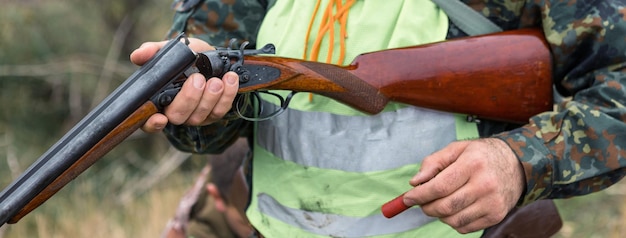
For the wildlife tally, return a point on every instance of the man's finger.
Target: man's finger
(211, 95)
(438, 161)
(473, 219)
(186, 100)
(225, 103)
(199, 46)
(452, 204)
(449, 180)
(155, 123)
(145, 52)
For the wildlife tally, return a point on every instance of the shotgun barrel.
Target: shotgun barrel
(168, 64)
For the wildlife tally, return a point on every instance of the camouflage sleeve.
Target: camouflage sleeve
(578, 148)
(216, 22)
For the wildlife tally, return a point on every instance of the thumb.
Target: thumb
(142, 54)
(438, 161)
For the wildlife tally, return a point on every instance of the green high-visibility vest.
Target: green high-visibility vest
(324, 169)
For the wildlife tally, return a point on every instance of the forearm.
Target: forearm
(576, 149)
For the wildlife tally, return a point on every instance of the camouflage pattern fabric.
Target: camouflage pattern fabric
(574, 150)
(217, 22)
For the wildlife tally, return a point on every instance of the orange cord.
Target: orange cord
(308, 32)
(327, 26)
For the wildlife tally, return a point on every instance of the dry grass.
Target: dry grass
(596, 215)
(74, 213)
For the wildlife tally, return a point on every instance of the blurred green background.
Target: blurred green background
(59, 58)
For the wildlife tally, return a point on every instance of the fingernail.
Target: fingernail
(215, 86)
(408, 202)
(415, 179)
(230, 79)
(198, 82)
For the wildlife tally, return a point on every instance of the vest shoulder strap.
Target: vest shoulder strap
(466, 18)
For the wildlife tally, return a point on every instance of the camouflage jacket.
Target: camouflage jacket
(575, 150)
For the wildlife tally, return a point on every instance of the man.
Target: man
(319, 168)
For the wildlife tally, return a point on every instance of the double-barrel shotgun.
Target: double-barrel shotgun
(503, 76)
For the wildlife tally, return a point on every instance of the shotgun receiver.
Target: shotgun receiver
(503, 76)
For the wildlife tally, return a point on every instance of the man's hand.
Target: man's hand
(469, 185)
(199, 102)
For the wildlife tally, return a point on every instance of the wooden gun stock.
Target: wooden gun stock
(503, 76)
